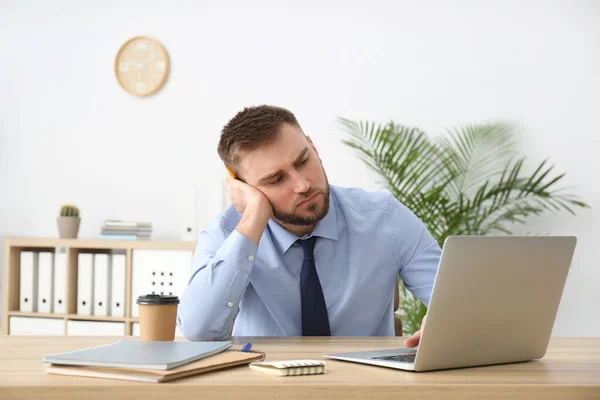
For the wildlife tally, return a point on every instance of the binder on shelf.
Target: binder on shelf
(189, 212)
(102, 284)
(60, 279)
(85, 283)
(28, 281)
(117, 308)
(45, 281)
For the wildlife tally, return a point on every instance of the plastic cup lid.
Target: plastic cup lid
(157, 299)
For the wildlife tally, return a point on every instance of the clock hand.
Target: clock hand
(150, 59)
(136, 64)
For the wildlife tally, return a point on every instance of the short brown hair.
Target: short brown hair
(251, 128)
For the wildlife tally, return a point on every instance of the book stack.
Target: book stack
(148, 361)
(126, 230)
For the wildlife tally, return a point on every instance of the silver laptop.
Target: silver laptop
(494, 301)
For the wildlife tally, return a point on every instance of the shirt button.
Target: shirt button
(250, 257)
(229, 304)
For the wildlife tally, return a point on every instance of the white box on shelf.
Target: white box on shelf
(95, 328)
(159, 271)
(36, 326)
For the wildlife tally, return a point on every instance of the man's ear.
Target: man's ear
(309, 140)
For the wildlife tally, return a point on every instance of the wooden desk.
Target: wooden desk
(570, 370)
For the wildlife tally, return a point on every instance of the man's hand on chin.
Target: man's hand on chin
(413, 341)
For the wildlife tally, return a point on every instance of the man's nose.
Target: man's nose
(301, 184)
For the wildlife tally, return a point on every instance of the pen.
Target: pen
(247, 347)
(230, 171)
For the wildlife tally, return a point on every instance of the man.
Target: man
(295, 255)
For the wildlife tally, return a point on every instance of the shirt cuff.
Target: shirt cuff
(240, 250)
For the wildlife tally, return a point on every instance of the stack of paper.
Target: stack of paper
(290, 367)
(147, 361)
(126, 230)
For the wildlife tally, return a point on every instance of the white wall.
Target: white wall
(68, 132)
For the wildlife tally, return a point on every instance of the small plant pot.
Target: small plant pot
(68, 227)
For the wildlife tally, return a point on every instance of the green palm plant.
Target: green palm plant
(470, 182)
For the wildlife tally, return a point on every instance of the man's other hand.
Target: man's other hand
(414, 340)
(243, 195)
(254, 206)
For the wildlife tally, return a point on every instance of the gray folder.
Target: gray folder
(138, 354)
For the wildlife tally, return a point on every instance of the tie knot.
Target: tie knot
(308, 246)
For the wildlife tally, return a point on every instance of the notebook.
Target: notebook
(290, 367)
(222, 360)
(139, 354)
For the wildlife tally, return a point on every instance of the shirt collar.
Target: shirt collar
(326, 228)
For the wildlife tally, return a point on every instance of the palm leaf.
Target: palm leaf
(479, 154)
(407, 160)
(515, 196)
(468, 183)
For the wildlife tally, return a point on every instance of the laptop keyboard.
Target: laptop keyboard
(406, 357)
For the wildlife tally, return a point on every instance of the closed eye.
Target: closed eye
(279, 178)
(276, 180)
(302, 162)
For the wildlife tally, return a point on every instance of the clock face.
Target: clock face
(141, 66)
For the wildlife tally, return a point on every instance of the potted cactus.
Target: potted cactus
(68, 222)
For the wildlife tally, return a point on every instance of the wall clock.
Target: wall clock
(141, 66)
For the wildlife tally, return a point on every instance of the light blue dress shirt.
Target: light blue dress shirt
(363, 243)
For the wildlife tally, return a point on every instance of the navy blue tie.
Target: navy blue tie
(315, 321)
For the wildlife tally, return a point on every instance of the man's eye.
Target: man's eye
(302, 162)
(277, 180)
